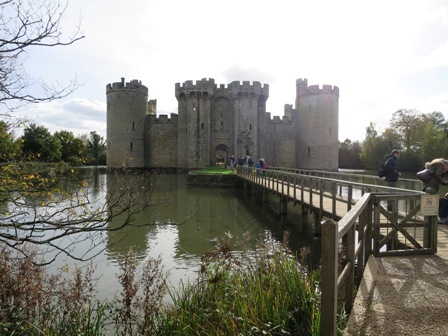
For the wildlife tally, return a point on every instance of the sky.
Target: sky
(384, 55)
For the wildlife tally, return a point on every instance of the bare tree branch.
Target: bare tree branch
(23, 25)
(44, 215)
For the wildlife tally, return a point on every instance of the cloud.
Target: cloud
(78, 115)
(238, 72)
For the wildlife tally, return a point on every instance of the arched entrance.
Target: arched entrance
(221, 155)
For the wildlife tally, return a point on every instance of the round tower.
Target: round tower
(317, 126)
(127, 105)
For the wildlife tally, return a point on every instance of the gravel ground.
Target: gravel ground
(404, 295)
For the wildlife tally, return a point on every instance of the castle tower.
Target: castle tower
(194, 110)
(317, 125)
(249, 109)
(127, 106)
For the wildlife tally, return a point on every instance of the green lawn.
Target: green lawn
(214, 170)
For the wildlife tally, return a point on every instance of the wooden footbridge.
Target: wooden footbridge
(356, 216)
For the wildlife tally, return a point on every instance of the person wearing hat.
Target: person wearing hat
(437, 167)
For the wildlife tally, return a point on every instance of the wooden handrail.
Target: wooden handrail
(356, 229)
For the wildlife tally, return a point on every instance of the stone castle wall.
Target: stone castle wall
(162, 148)
(214, 122)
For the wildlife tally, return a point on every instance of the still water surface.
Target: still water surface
(181, 231)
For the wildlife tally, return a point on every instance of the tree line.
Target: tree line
(420, 137)
(38, 144)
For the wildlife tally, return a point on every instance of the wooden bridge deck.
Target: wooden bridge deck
(403, 295)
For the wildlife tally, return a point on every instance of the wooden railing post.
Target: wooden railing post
(350, 280)
(329, 276)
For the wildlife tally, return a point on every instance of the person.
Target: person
(264, 166)
(232, 161)
(392, 173)
(241, 161)
(259, 167)
(438, 168)
(443, 209)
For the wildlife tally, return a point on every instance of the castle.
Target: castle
(214, 122)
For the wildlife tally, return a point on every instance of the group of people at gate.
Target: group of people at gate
(246, 161)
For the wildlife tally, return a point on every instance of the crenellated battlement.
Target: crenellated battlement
(208, 87)
(204, 85)
(279, 120)
(163, 119)
(248, 89)
(302, 88)
(133, 85)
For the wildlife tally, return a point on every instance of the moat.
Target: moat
(190, 224)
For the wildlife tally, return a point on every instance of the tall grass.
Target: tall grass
(268, 293)
(33, 302)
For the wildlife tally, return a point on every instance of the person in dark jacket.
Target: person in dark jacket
(392, 173)
(443, 210)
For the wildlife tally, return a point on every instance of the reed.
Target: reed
(267, 293)
(238, 292)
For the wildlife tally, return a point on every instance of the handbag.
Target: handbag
(425, 175)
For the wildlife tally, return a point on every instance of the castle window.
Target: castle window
(309, 151)
(250, 127)
(202, 125)
(222, 124)
(132, 146)
(133, 126)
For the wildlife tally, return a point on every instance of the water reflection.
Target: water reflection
(185, 221)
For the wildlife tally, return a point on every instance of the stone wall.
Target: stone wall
(162, 140)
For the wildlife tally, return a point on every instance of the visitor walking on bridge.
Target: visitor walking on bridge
(443, 210)
(392, 173)
(436, 169)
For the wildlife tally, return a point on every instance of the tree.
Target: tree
(96, 147)
(7, 144)
(34, 208)
(374, 149)
(406, 123)
(72, 148)
(433, 143)
(349, 153)
(39, 144)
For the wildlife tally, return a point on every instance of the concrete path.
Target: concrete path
(404, 295)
